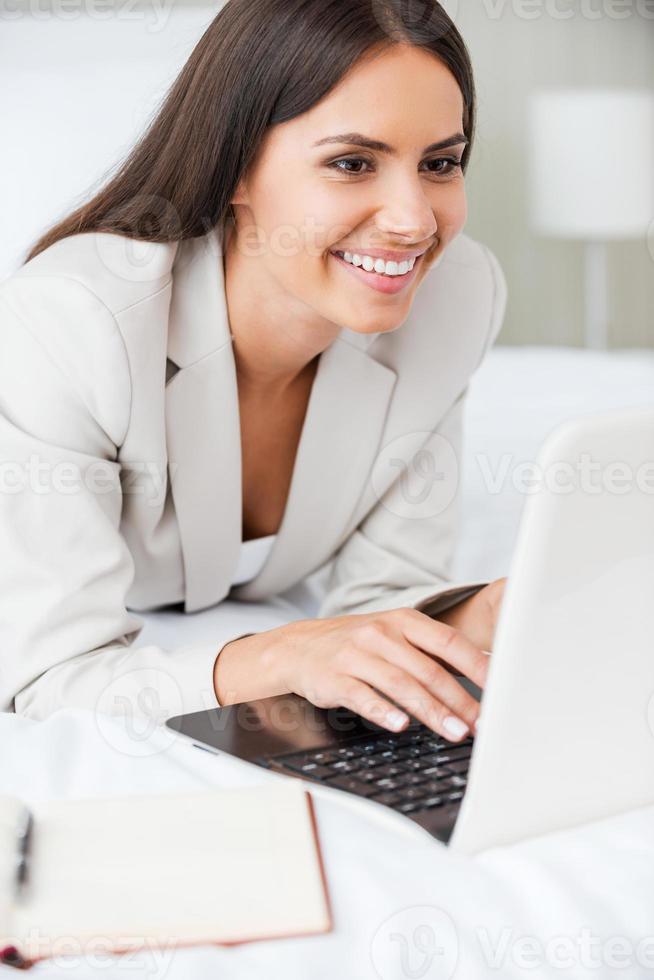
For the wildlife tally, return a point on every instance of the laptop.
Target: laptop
(566, 726)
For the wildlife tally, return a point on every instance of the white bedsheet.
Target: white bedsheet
(577, 903)
(396, 892)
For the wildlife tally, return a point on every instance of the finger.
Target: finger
(410, 694)
(429, 675)
(446, 644)
(362, 699)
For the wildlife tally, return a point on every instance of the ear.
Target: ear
(240, 195)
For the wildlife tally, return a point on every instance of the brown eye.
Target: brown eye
(451, 164)
(348, 160)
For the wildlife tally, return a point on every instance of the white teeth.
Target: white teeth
(378, 265)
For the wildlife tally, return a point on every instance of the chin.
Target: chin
(375, 326)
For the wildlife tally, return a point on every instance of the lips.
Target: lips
(377, 280)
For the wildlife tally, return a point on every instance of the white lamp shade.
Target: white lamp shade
(591, 163)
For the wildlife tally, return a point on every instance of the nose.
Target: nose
(406, 213)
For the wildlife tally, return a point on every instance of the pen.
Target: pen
(9, 955)
(23, 847)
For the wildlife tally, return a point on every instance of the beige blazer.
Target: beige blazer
(121, 467)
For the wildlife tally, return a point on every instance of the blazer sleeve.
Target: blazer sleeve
(401, 555)
(66, 636)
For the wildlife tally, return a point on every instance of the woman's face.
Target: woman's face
(308, 196)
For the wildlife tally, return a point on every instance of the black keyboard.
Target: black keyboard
(411, 771)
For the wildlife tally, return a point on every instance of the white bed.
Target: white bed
(576, 903)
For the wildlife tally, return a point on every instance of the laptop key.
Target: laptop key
(389, 798)
(453, 755)
(354, 786)
(408, 807)
(324, 758)
(413, 793)
(460, 766)
(366, 777)
(344, 766)
(388, 783)
(309, 769)
(431, 801)
(435, 771)
(382, 772)
(439, 786)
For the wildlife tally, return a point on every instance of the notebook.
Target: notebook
(125, 873)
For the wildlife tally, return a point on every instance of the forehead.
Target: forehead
(403, 95)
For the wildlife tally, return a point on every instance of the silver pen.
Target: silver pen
(23, 850)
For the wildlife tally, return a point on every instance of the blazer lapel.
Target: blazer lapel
(202, 423)
(339, 441)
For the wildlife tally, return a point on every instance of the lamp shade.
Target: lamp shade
(591, 162)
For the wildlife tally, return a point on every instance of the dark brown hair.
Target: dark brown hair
(259, 63)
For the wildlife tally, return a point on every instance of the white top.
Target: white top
(252, 557)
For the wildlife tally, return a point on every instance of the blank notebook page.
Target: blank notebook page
(214, 866)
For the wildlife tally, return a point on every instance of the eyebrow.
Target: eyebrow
(358, 139)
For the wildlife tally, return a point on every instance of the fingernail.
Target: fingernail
(395, 719)
(455, 726)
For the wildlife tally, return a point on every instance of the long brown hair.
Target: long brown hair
(259, 63)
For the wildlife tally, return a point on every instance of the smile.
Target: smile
(370, 264)
(385, 277)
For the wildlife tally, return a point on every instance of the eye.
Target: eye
(452, 165)
(447, 165)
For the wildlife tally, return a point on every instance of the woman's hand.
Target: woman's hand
(477, 616)
(366, 662)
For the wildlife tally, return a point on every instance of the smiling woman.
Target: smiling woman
(223, 316)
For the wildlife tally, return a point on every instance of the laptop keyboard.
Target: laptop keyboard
(411, 771)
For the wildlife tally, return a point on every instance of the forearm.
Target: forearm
(477, 616)
(249, 668)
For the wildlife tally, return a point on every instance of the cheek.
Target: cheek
(453, 208)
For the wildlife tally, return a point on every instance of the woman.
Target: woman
(215, 349)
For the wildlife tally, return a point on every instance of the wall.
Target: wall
(80, 78)
(516, 47)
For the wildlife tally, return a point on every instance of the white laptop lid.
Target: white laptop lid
(566, 731)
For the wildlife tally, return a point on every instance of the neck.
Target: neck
(280, 349)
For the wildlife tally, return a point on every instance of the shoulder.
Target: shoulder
(60, 316)
(116, 270)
